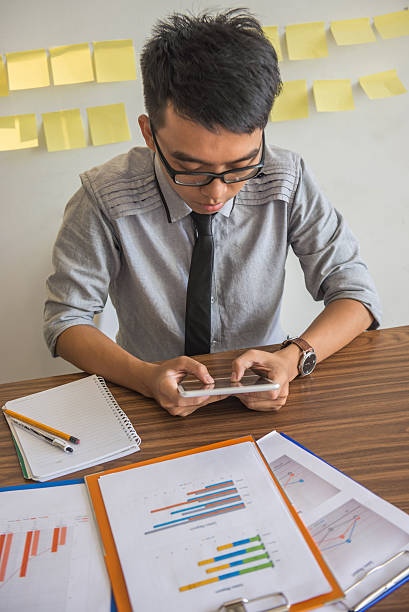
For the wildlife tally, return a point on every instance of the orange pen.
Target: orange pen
(56, 432)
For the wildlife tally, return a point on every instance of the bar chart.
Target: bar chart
(247, 555)
(206, 502)
(29, 544)
(49, 552)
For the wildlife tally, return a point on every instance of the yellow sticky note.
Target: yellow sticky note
(71, 64)
(382, 85)
(353, 31)
(28, 69)
(18, 132)
(333, 95)
(4, 90)
(271, 32)
(108, 124)
(392, 25)
(64, 130)
(114, 61)
(292, 103)
(306, 40)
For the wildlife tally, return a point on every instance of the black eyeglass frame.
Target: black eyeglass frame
(211, 175)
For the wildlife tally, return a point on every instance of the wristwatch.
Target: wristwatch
(308, 359)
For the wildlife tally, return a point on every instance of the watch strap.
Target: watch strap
(300, 342)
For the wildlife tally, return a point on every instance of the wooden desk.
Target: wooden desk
(353, 411)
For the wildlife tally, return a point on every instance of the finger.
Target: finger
(185, 409)
(267, 400)
(264, 405)
(181, 411)
(215, 398)
(265, 395)
(191, 366)
(244, 362)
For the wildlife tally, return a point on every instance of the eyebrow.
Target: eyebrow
(181, 156)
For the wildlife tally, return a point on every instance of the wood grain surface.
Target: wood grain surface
(353, 411)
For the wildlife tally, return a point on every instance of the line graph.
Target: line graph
(305, 489)
(354, 538)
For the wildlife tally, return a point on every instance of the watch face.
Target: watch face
(309, 364)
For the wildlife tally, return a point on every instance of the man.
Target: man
(209, 84)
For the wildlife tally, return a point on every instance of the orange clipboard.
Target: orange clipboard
(112, 558)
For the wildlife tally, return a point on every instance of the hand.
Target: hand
(279, 367)
(162, 382)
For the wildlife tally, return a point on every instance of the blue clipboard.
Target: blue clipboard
(57, 483)
(395, 586)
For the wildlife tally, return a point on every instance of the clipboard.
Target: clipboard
(113, 562)
(400, 577)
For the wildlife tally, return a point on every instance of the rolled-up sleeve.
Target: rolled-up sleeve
(86, 258)
(327, 249)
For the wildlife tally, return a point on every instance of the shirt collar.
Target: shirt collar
(178, 209)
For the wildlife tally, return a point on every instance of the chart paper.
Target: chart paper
(206, 528)
(355, 529)
(50, 555)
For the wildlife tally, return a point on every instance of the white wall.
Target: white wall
(360, 157)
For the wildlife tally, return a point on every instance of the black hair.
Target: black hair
(217, 70)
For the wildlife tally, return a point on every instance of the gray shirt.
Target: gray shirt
(118, 237)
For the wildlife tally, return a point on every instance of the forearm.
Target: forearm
(92, 351)
(339, 323)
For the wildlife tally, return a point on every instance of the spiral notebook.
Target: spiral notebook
(85, 409)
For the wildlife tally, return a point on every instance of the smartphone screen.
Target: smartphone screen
(250, 383)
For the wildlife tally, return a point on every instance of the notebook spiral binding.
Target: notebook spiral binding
(118, 412)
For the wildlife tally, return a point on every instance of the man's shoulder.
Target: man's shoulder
(123, 182)
(278, 179)
(276, 157)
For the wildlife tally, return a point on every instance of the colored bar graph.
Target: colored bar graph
(5, 558)
(207, 505)
(213, 486)
(63, 536)
(24, 562)
(194, 499)
(186, 520)
(195, 516)
(2, 540)
(54, 544)
(247, 570)
(239, 543)
(232, 554)
(210, 500)
(34, 547)
(234, 563)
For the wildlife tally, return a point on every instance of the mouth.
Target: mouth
(209, 206)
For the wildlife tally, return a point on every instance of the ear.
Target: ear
(145, 127)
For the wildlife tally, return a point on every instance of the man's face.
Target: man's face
(189, 147)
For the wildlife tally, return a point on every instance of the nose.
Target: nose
(215, 190)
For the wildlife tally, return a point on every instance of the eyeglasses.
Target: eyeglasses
(197, 179)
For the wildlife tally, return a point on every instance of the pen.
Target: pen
(58, 442)
(51, 430)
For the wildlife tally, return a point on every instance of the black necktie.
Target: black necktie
(199, 289)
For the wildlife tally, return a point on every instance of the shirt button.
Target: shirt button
(212, 300)
(214, 341)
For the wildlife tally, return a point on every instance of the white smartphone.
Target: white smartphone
(250, 383)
